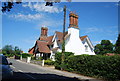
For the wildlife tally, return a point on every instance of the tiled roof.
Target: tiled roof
(42, 47)
(31, 50)
(49, 39)
(111, 54)
(55, 49)
(83, 37)
(60, 36)
(44, 38)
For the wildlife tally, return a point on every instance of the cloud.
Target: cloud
(96, 42)
(27, 17)
(40, 7)
(92, 29)
(113, 41)
(52, 23)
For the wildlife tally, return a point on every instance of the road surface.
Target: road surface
(25, 71)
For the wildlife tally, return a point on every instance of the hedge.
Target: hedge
(49, 62)
(25, 55)
(58, 63)
(106, 67)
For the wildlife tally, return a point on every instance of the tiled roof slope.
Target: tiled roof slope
(42, 47)
(83, 37)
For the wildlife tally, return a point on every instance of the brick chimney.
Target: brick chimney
(73, 20)
(44, 31)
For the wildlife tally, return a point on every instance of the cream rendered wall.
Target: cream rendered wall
(73, 42)
(89, 50)
(55, 44)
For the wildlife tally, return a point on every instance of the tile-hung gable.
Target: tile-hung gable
(49, 45)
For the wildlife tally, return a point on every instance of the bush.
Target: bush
(25, 55)
(9, 55)
(106, 67)
(58, 58)
(49, 62)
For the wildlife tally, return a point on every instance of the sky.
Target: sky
(22, 25)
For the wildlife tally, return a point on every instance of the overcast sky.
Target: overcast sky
(21, 26)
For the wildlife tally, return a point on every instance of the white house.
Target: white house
(75, 43)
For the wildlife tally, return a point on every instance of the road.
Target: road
(25, 71)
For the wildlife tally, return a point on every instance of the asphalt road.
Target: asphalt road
(25, 71)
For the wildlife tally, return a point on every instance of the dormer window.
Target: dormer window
(86, 48)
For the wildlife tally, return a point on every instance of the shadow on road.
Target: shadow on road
(38, 77)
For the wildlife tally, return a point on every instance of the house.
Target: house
(47, 46)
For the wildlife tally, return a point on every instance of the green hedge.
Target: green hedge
(106, 67)
(58, 64)
(25, 55)
(49, 62)
(9, 55)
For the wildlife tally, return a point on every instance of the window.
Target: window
(86, 48)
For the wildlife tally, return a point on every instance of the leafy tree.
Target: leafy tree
(17, 51)
(7, 49)
(117, 45)
(104, 47)
(7, 6)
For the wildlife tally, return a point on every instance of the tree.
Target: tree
(17, 50)
(104, 47)
(117, 45)
(7, 6)
(7, 49)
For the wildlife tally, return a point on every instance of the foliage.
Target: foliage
(9, 50)
(9, 55)
(106, 67)
(49, 62)
(58, 59)
(104, 47)
(7, 6)
(17, 51)
(117, 45)
(25, 55)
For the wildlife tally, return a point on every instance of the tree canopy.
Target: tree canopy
(9, 50)
(117, 45)
(104, 47)
(7, 6)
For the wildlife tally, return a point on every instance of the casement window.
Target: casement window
(86, 48)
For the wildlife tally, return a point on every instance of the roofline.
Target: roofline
(90, 42)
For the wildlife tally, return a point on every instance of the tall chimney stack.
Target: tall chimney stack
(44, 31)
(73, 20)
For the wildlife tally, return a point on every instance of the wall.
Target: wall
(73, 43)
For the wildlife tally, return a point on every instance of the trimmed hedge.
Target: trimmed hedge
(49, 62)
(58, 64)
(25, 55)
(106, 67)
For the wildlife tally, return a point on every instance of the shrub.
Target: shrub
(106, 67)
(58, 58)
(25, 55)
(49, 62)
(9, 55)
